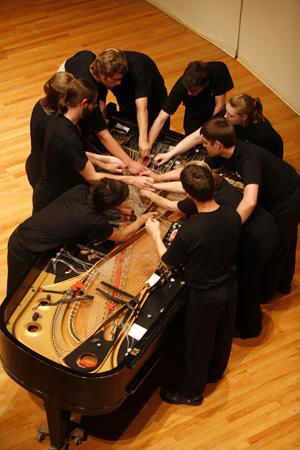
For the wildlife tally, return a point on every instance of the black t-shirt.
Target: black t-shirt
(262, 134)
(206, 245)
(64, 158)
(68, 217)
(78, 65)
(38, 123)
(276, 178)
(201, 106)
(143, 79)
(259, 225)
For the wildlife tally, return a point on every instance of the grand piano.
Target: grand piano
(82, 334)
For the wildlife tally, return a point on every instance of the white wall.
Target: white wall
(269, 43)
(216, 20)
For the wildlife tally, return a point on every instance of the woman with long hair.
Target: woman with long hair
(246, 114)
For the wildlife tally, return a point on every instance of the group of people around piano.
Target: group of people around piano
(237, 248)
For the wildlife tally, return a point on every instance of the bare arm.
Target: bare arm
(157, 127)
(168, 176)
(169, 205)
(183, 146)
(115, 149)
(110, 163)
(91, 176)
(248, 202)
(102, 104)
(127, 231)
(219, 103)
(171, 186)
(152, 227)
(142, 120)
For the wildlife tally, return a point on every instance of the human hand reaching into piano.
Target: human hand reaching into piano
(153, 227)
(115, 167)
(145, 150)
(135, 167)
(162, 158)
(148, 216)
(142, 182)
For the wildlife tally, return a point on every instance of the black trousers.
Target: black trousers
(18, 260)
(280, 271)
(209, 327)
(252, 258)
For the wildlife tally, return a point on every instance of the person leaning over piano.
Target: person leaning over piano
(268, 181)
(202, 89)
(65, 160)
(132, 77)
(55, 89)
(80, 211)
(206, 245)
(257, 244)
(79, 66)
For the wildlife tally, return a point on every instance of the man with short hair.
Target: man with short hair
(133, 78)
(79, 66)
(206, 246)
(202, 90)
(268, 181)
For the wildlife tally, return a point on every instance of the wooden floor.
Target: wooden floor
(257, 405)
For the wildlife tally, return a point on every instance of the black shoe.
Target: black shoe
(177, 398)
(214, 379)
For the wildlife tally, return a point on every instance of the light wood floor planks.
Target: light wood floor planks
(257, 405)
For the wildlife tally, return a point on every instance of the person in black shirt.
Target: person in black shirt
(78, 212)
(136, 82)
(80, 65)
(206, 245)
(268, 181)
(202, 89)
(132, 77)
(66, 163)
(259, 241)
(45, 108)
(246, 114)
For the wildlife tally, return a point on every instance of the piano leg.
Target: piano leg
(59, 426)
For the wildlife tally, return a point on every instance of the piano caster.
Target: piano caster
(76, 436)
(42, 432)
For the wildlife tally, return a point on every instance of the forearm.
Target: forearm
(113, 146)
(171, 186)
(157, 127)
(142, 120)
(165, 203)
(187, 143)
(248, 202)
(172, 175)
(217, 109)
(245, 209)
(160, 246)
(127, 231)
(219, 103)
